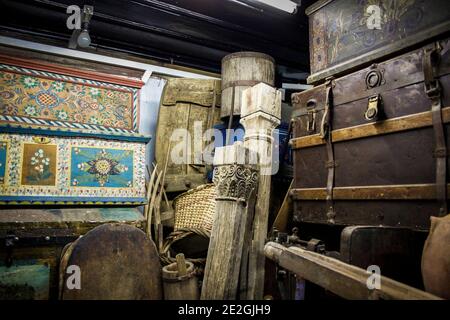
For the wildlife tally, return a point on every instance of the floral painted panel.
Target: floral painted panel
(60, 170)
(36, 98)
(95, 167)
(345, 29)
(39, 164)
(3, 155)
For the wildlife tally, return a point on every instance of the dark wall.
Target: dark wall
(194, 33)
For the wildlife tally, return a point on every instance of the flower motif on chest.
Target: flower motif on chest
(46, 99)
(103, 166)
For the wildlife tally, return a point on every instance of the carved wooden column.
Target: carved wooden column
(234, 180)
(260, 115)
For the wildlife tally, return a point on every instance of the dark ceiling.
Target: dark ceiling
(192, 33)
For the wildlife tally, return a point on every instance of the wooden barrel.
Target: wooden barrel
(178, 287)
(240, 71)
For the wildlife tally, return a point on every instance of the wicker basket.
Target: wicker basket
(194, 216)
(195, 208)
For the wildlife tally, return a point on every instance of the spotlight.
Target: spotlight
(84, 40)
(80, 37)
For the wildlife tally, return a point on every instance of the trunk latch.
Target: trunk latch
(373, 106)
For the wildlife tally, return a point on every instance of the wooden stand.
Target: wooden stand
(260, 114)
(234, 180)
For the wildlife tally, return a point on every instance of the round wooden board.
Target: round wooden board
(117, 262)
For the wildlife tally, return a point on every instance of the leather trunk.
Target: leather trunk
(383, 142)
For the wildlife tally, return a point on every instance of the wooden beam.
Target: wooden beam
(409, 122)
(345, 280)
(383, 192)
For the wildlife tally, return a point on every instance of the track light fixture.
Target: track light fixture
(80, 36)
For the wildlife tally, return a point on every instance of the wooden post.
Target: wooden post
(234, 180)
(260, 114)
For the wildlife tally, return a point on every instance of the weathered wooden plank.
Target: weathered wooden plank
(409, 122)
(191, 104)
(347, 281)
(383, 192)
(248, 236)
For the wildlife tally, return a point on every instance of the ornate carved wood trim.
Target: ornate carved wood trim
(235, 182)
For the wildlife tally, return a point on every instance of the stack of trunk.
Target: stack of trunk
(370, 139)
(379, 129)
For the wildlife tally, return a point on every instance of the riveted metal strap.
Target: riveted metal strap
(433, 91)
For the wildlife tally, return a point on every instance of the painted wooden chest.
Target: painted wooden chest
(69, 136)
(39, 96)
(349, 34)
(67, 170)
(31, 242)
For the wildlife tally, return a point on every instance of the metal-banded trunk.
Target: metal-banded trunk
(370, 147)
(242, 70)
